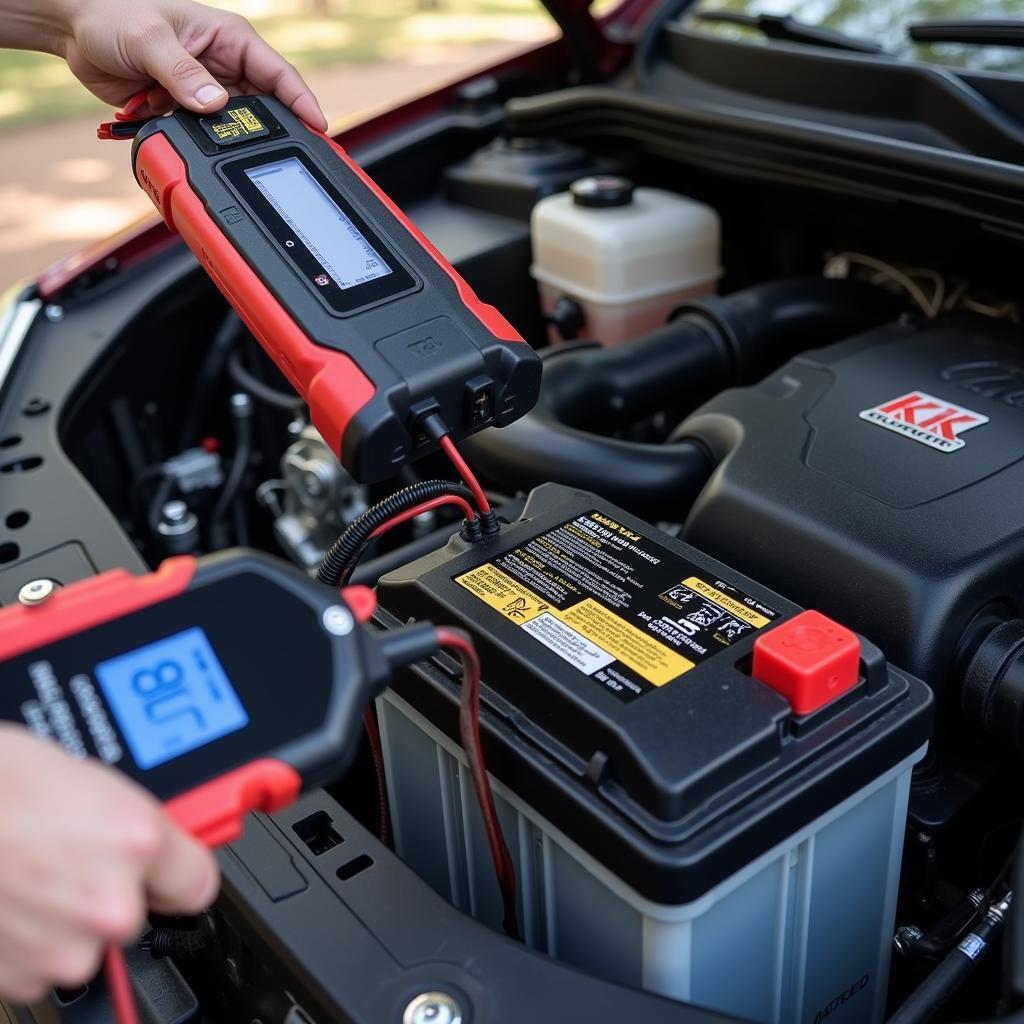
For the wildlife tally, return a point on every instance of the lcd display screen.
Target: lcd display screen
(347, 257)
(170, 697)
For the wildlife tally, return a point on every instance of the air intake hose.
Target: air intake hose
(589, 393)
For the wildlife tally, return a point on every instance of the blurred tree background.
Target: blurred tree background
(313, 34)
(62, 189)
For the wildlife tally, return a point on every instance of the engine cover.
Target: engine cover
(880, 479)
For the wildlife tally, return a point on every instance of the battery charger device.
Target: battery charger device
(367, 320)
(181, 680)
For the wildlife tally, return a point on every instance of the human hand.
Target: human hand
(83, 853)
(195, 55)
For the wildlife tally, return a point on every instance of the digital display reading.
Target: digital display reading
(170, 697)
(346, 256)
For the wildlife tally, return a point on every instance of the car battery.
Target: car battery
(703, 786)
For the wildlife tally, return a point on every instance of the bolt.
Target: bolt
(35, 407)
(241, 404)
(54, 313)
(174, 512)
(338, 620)
(178, 527)
(433, 1008)
(312, 484)
(905, 938)
(37, 591)
(998, 911)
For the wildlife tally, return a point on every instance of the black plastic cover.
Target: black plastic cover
(898, 523)
(1017, 928)
(616, 662)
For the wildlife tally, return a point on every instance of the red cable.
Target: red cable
(468, 476)
(469, 732)
(119, 987)
(377, 754)
(134, 105)
(426, 506)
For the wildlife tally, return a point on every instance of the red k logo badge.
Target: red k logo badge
(925, 418)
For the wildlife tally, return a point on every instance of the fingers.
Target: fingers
(269, 72)
(158, 102)
(159, 54)
(46, 953)
(183, 877)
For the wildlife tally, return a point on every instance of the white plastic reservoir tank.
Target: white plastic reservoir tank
(627, 256)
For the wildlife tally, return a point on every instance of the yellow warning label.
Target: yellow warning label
(590, 620)
(503, 593)
(730, 604)
(243, 122)
(634, 648)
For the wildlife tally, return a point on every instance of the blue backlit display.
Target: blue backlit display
(170, 697)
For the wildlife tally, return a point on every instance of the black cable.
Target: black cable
(941, 937)
(224, 341)
(247, 381)
(156, 504)
(346, 549)
(237, 471)
(651, 33)
(240, 522)
(946, 980)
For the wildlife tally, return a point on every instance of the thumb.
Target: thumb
(183, 877)
(162, 57)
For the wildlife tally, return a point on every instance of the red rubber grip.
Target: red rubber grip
(330, 382)
(90, 603)
(213, 812)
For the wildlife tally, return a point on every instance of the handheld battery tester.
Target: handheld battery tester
(365, 318)
(188, 680)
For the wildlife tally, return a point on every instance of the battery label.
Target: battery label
(616, 605)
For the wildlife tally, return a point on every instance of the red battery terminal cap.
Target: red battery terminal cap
(809, 659)
(361, 601)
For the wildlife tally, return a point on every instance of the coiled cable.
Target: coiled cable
(346, 549)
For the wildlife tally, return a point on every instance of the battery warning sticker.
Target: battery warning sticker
(616, 605)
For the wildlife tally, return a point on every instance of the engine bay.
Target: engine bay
(804, 393)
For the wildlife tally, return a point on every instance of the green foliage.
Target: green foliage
(38, 88)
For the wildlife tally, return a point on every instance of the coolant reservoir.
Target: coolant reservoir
(627, 256)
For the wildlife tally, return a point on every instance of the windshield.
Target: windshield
(885, 22)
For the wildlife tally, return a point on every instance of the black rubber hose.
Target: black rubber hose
(208, 379)
(264, 393)
(589, 392)
(650, 35)
(938, 941)
(1016, 946)
(946, 980)
(242, 416)
(347, 548)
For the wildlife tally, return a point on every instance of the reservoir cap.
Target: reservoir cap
(602, 191)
